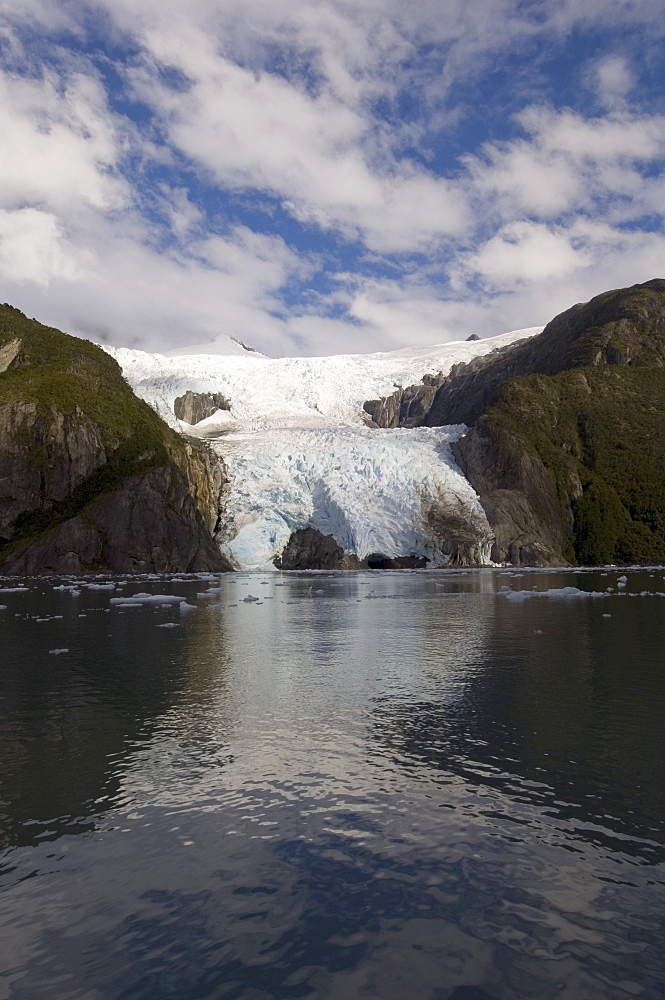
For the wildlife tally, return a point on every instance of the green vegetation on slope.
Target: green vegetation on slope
(599, 431)
(65, 374)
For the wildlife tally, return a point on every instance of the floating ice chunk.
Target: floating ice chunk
(164, 599)
(169, 625)
(14, 590)
(100, 586)
(184, 606)
(57, 652)
(607, 616)
(561, 592)
(3, 607)
(622, 581)
(249, 599)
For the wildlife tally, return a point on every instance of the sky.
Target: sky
(317, 177)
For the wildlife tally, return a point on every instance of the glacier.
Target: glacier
(299, 451)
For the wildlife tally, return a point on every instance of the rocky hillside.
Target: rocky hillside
(92, 479)
(566, 446)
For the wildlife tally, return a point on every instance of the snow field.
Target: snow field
(291, 392)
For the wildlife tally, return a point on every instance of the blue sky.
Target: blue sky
(326, 177)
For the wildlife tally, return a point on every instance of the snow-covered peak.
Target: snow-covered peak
(292, 392)
(225, 347)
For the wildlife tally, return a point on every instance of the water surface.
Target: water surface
(378, 785)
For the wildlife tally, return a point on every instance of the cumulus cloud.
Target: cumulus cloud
(612, 79)
(60, 144)
(526, 251)
(34, 250)
(566, 161)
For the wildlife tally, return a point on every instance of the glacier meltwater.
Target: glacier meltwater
(299, 451)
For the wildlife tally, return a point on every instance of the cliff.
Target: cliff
(91, 478)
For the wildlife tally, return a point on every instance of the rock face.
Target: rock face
(43, 457)
(518, 495)
(309, 548)
(92, 479)
(194, 407)
(566, 446)
(407, 407)
(151, 524)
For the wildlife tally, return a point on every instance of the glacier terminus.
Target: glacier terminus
(299, 452)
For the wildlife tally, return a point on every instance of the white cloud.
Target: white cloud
(613, 79)
(566, 162)
(34, 250)
(526, 251)
(258, 131)
(60, 145)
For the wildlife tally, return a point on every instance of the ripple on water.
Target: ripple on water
(434, 792)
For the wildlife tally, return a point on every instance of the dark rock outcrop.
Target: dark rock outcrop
(43, 456)
(406, 407)
(517, 494)
(90, 477)
(151, 524)
(309, 548)
(376, 560)
(194, 407)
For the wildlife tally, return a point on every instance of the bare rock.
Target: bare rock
(194, 407)
(43, 458)
(309, 548)
(517, 494)
(151, 524)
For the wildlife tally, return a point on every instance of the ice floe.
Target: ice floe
(554, 592)
(143, 598)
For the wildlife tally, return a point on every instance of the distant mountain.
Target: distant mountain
(92, 479)
(567, 441)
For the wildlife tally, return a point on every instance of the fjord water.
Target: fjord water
(378, 785)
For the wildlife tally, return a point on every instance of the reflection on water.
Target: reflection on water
(381, 785)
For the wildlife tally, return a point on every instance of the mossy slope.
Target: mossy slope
(585, 403)
(73, 434)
